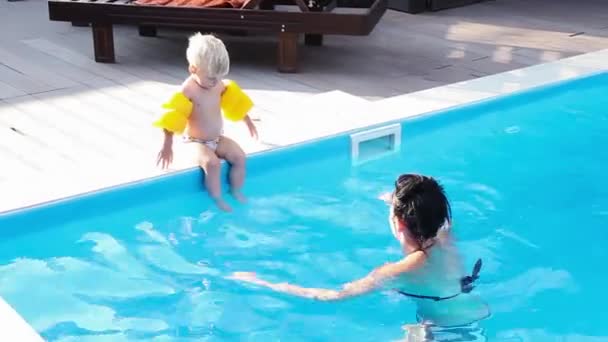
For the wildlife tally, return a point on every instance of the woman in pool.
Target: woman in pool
(430, 272)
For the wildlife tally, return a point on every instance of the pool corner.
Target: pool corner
(13, 327)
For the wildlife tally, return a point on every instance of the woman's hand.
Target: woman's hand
(386, 197)
(244, 276)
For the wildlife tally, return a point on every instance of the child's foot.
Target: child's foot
(222, 205)
(239, 196)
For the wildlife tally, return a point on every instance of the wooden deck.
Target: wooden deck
(65, 119)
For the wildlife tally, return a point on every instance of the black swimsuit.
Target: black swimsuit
(466, 284)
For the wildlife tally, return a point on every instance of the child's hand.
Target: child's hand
(165, 157)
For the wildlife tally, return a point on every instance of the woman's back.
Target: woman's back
(440, 277)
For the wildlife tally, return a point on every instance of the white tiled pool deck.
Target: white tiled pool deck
(318, 116)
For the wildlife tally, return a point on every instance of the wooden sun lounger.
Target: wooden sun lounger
(313, 22)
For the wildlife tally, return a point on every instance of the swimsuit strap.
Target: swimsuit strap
(435, 298)
(424, 250)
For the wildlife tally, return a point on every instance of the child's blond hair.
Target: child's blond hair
(208, 52)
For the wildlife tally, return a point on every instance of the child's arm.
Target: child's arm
(174, 119)
(168, 138)
(355, 288)
(251, 126)
(167, 141)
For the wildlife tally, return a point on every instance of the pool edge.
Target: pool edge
(460, 93)
(13, 327)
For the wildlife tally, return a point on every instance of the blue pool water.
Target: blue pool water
(526, 176)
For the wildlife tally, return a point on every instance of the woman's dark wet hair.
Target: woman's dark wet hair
(420, 202)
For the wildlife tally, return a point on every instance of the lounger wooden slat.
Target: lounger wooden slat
(288, 25)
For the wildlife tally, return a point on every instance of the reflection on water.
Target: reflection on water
(95, 293)
(166, 284)
(428, 333)
(533, 335)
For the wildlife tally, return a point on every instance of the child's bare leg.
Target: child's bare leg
(234, 155)
(210, 163)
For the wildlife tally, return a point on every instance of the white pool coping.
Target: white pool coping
(330, 114)
(13, 327)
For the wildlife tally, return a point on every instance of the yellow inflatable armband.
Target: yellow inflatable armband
(235, 103)
(175, 118)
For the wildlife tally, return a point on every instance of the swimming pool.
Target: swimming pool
(525, 175)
